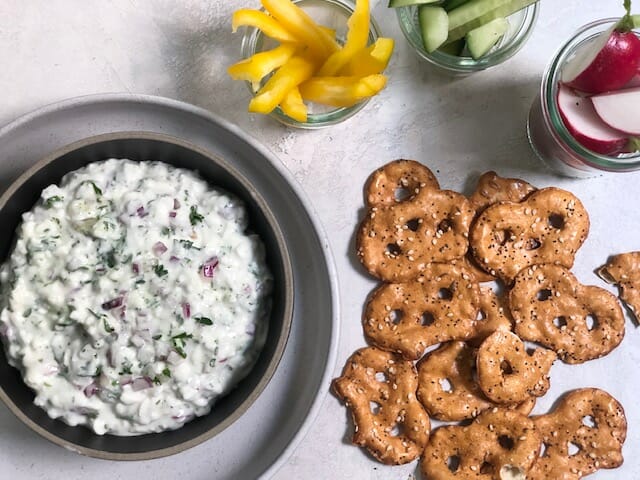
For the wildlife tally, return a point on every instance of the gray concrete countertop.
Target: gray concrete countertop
(460, 127)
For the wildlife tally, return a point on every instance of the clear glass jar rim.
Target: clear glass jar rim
(551, 114)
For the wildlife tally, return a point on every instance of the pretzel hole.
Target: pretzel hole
(395, 316)
(427, 319)
(560, 322)
(486, 468)
(573, 448)
(506, 442)
(446, 385)
(401, 194)
(503, 236)
(445, 294)
(543, 450)
(374, 407)
(506, 368)
(413, 224)
(474, 374)
(396, 430)
(445, 225)
(381, 377)
(532, 244)
(481, 315)
(393, 249)
(544, 294)
(453, 463)
(592, 322)
(589, 421)
(556, 221)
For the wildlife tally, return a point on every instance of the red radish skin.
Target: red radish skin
(584, 124)
(620, 110)
(605, 66)
(634, 82)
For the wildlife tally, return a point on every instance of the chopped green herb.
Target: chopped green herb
(157, 381)
(166, 231)
(188, 244)
(96, 315)
(166, 372)
(98, 371)
(114, 383)
(194, 216)
(51, 200)
(47, 384)
(140, 280)
(110, 258)
(179, 342)
(157, 337)
(107, 326)
(26, 313)
(160, 270)
(126, 369)
(96, 189)
(203, 320)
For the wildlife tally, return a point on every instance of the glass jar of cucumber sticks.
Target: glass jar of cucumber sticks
(491, 40)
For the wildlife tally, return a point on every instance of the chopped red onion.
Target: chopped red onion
(91, 389)
(113, 303)
(186, 310)
(141, 383)
(172, 214)
(136, 268)
(174, 259)
(222, 360)
(209, 267)
(125, 380)
(141, 212)
(159, 248)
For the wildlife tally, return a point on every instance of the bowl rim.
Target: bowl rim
(288, 289)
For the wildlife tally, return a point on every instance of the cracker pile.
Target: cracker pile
(432, 249)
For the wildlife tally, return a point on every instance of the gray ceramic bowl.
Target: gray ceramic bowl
(24, 193)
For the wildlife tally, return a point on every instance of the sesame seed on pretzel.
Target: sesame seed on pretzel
(396, 242)
(407, 318)
(380, 390)
(552, 308)
(549, 226)
(583, 434)
(398, 181)
(496, 442)
(507, 373)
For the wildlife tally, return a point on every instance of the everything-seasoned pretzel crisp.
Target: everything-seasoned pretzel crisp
(380, 390)
(404, 177)
(507, 373)
(583, 434)
(624, 270)
(549, 226)
(494, 315)
(493, 188)
(552, 308)
(497, 441)
(407, 318)
(447, 388)
(395, 243)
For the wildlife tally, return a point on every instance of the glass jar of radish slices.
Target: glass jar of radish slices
(496, 30)
(586, 122)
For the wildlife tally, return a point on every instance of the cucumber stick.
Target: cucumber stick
(476, 13)
(407, 3)
(434, 26)
(482, 39)
(449, 5)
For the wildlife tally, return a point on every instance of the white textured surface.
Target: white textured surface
(62, 48)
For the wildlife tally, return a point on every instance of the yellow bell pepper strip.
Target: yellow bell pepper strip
(357, 37)
(293, 106)
(341, 91)
(259, 65)
(260, 20)
(291, 74)
(371, 60)
(302, 26)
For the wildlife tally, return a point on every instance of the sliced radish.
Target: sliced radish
(606, 63)
(620, 110)
(586, 126)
